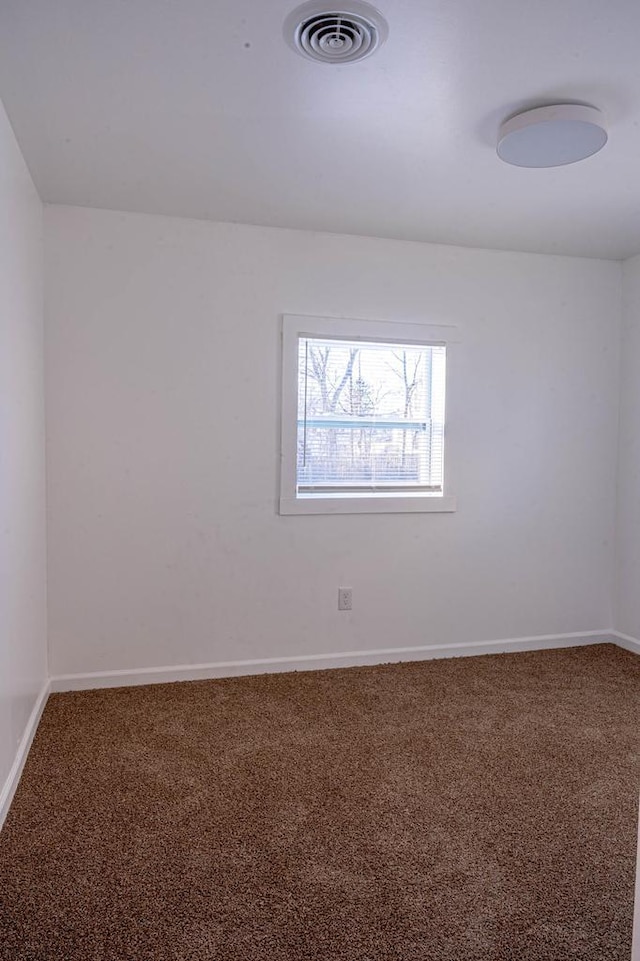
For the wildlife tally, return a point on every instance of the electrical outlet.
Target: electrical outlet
(345, 598)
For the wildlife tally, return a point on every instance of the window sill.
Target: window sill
(376, 504)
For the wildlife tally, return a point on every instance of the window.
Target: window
(363, 417)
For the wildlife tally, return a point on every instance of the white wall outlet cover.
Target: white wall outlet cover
(345, 598)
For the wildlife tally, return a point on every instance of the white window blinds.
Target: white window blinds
(370, 417)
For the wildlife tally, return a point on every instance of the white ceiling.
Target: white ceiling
(198, 108)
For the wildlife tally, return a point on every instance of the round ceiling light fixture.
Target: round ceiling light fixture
(552, 136)
(335, 34)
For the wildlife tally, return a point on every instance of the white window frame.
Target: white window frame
(295, 326)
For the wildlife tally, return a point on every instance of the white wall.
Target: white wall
(165, 546)
(627, 567)
(23, 654)
(627, 580)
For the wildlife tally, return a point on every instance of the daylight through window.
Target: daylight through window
(370, 418)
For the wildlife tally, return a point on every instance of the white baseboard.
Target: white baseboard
(10, 785)
(628, 643)
(312, 662)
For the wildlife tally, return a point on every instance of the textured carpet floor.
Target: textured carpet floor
(476, 809)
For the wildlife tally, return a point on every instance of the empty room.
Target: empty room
(319, 480)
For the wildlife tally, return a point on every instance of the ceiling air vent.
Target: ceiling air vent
(342, 34)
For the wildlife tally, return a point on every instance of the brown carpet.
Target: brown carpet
(467, 809)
